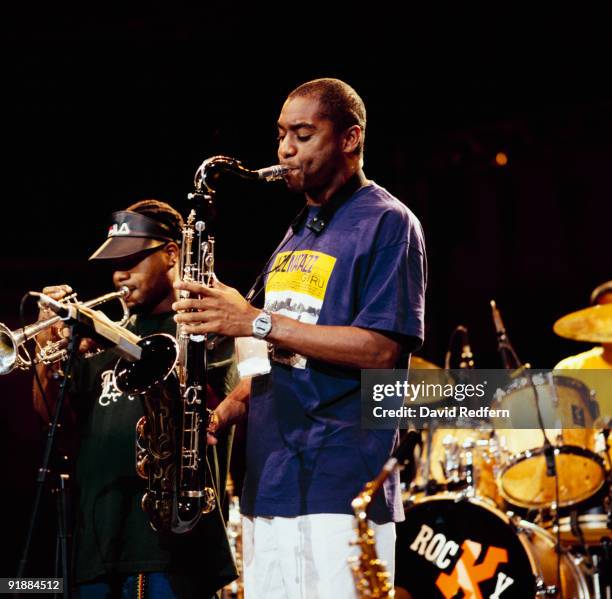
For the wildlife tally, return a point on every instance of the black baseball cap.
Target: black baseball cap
(131, 233)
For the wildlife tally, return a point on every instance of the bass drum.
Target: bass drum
(452, 547)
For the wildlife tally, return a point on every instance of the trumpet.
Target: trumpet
(12, 351)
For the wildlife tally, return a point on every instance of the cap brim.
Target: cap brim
(122, 247)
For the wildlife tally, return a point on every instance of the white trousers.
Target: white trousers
(306, 557)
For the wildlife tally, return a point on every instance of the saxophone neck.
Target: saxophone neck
(208, 173)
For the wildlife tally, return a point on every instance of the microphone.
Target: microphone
(272, 173)
(509, 359)
(64, 311)
(467, 357)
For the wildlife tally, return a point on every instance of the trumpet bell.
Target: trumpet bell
(157, 361)
(8, 350)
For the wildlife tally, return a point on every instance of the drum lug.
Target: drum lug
(545, 591)
(517, 525)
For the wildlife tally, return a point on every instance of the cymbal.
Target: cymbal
(592, 324)
(421, 364)
(418, 363)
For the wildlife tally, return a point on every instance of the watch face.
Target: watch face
(262, 325)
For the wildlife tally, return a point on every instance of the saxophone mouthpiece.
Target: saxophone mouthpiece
(272, 173)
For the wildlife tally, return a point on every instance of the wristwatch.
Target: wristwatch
(262, 325)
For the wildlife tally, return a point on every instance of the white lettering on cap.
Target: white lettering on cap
(115, 229)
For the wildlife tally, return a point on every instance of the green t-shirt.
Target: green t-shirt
(112, 533)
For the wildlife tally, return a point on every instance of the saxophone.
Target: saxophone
(171, 449)
(371, 576)
(372, 579)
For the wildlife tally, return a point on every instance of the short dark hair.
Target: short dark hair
(340, 103)
(600, 290)
(162, 213)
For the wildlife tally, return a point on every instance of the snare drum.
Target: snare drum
(524, 480)
(450, 546)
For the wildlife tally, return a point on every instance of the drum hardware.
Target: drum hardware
(596, 576)
(428, 479)
(461, 460)
(504, 347)
(542, 590)
(553, 390)
(602, 446)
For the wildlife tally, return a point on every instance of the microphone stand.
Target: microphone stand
(508, 355)
(63, 530)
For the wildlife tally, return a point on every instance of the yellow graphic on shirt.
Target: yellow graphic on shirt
(305, 272)
(296, 288)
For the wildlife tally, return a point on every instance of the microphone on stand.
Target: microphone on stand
(64, 311)
(508, 355)
(467, 357)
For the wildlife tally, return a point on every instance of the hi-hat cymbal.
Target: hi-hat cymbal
(418, 363)
(592, 324)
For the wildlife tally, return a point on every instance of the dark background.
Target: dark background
(99, 115)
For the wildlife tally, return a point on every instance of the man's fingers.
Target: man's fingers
(57, 291)
(193, 304)
(200, 329)
(195, 288)
(196, 317)
(87, 345)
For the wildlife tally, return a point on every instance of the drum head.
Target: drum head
(449, 547)
(524, 481)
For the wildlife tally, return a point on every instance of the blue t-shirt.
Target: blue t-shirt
(306, 450)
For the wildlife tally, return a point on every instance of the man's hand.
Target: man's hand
(59, 330)
(220, 310)
(230, 410)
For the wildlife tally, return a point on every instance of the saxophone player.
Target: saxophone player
(116, 552)
(344, 291)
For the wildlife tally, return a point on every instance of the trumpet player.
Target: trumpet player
(344, 291)
(116, 552)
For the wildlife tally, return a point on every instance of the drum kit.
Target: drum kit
(487, 515)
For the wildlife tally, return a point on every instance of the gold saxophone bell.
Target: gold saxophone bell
(13, 353)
